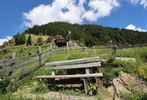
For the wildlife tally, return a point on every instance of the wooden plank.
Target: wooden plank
(13, 56)
(87, 70)
(12, 80)
(53, 71)
(40, 56)
(46, 51)
(9, 61)
(71, 76)
(6, 70)
(76, 61)
(21, 72)
(21, 81)
(42, 63)
(47, 55)
(85, 85)
(74, 66)
(132, 46)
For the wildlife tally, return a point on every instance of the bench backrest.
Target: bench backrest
(76, 61)
(74, 66)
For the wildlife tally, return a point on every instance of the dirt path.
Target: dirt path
(25, 93)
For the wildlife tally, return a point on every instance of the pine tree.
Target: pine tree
(23, 38)
(29, 41)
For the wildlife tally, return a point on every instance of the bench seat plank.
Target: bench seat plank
(71, 76)
(75, 66)
(76, 61)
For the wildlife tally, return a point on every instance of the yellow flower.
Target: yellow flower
(142, 94)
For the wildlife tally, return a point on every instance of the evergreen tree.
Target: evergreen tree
(29, 41)
(22, 38)
(17, 39)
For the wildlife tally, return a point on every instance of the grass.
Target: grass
(138, 68)
(35, 37)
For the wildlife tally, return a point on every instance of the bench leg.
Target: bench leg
(85, 85)
(43, 81)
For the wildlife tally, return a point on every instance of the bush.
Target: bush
(39, 40)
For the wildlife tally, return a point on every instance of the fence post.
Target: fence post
(115, 50)
(83, 49)
(67, 47)
(50, 46)
(39, 56)
(13, 56)
(94, 50)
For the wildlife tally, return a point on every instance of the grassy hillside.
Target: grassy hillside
(35, 37)
(139, 68)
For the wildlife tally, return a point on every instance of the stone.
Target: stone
(126, 59)
(127, 83)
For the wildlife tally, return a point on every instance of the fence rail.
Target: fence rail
(112, 47)
(13, 67)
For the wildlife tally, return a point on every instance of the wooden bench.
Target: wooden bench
(80, 63)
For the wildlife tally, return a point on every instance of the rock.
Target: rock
(126, 83)
(126, 59)
(104, 61)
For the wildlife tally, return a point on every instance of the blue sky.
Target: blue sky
(17, 15)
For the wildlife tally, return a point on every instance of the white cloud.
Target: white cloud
(133, 1)
(132, 27)
(5, 39)
(74, 12)
(100, 8)
(142, 2)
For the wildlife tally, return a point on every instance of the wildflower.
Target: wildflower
(143, 94)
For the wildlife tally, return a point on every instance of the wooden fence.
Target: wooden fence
(112, 47)
(42, 59)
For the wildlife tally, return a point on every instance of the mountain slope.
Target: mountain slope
(91, 34)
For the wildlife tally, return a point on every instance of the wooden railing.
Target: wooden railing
(43, 57)
(112, 47)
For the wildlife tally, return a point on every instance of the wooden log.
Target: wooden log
(94, 50)
(133, 46)
(47, 55)
(13, 56)
(21, 72)
(53, 71)
(71, 76)
(76, 61)
(85, 85)
(21, 81)
(6, 70)
(43, 82)
(50, 46)
(67, 47)
(87, 70)
(75, 66)
(115, 50)
(84, 49)
(8, 61)
(40, 56)
(45, 51)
